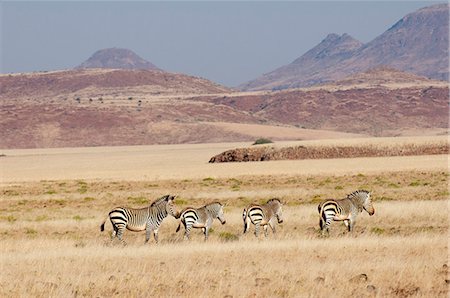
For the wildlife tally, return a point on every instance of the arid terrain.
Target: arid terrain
(104, 107)
(53, 201)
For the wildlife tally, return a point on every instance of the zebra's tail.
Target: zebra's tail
(319, 208)
(245, 218)
(102, 226)
(181, 222)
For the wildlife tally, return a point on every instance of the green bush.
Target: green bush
(227, 236)
(262, 141)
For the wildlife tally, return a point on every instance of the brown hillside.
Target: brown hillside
(381, 102)
(101, 82)
(123, 107)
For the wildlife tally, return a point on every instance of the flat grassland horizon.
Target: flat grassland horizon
(53, 201)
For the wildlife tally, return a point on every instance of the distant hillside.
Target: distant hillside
(382, 76)
(379, 102)
(117, 58)
(110, 83)
(418, 43)
(104, 107)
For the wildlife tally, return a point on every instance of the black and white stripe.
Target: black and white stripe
(201, 218)
(263, 215)
(345, 210)
(148, 218)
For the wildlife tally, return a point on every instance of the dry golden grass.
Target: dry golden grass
(71, 257)
(51, 245)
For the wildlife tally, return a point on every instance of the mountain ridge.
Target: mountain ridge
(404, 46)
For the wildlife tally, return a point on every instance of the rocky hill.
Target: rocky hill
(379, 102)
(105, 83)
(117, 58)
(418, 43)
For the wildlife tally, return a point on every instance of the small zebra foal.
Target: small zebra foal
(263, 215)
(136, 220)
(346, 209)
(201, 218)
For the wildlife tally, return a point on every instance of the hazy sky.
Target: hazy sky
(227, 42)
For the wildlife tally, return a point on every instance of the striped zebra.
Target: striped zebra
(345, 209)
(136, 220)
(201, 218)
(263, 215)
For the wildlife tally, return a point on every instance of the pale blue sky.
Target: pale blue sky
(227, 42)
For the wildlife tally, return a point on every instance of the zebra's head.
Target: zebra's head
(368, 206)
(363, 196)
(220, 215)
(277, 209)
(167, 202)
(216, 210)
(171, 208)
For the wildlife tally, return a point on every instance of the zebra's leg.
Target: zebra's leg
(187, 232)
(272, 226)
(351, 224)
(148, 231)
(113, 233)
(208, 225)
(325, 226)
(257, 229)
(120, 234)
(347, 224)
(206, 231)
(155, 235)
(328, 223)
(265, 227)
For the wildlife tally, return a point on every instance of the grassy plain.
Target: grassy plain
(51, 245)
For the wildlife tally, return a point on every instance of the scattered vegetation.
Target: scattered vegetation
(227, 236)
(30, 231)
(9, 218)
(261, 141)
(138, 200)
(41, 218)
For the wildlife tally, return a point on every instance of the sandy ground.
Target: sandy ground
(191, 161)
(283, 132)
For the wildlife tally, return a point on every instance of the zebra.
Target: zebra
(263, 215)
(201, 218)
(345, 209)
(136, 220)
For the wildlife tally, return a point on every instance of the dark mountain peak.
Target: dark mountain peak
(330, 38)
(333, 45)
(117, 58)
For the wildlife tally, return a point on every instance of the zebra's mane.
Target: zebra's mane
(213, 203)
(360, 196)
(159, 201)
(273, 200)
(213, 208)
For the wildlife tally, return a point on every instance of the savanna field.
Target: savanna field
(54, 200)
